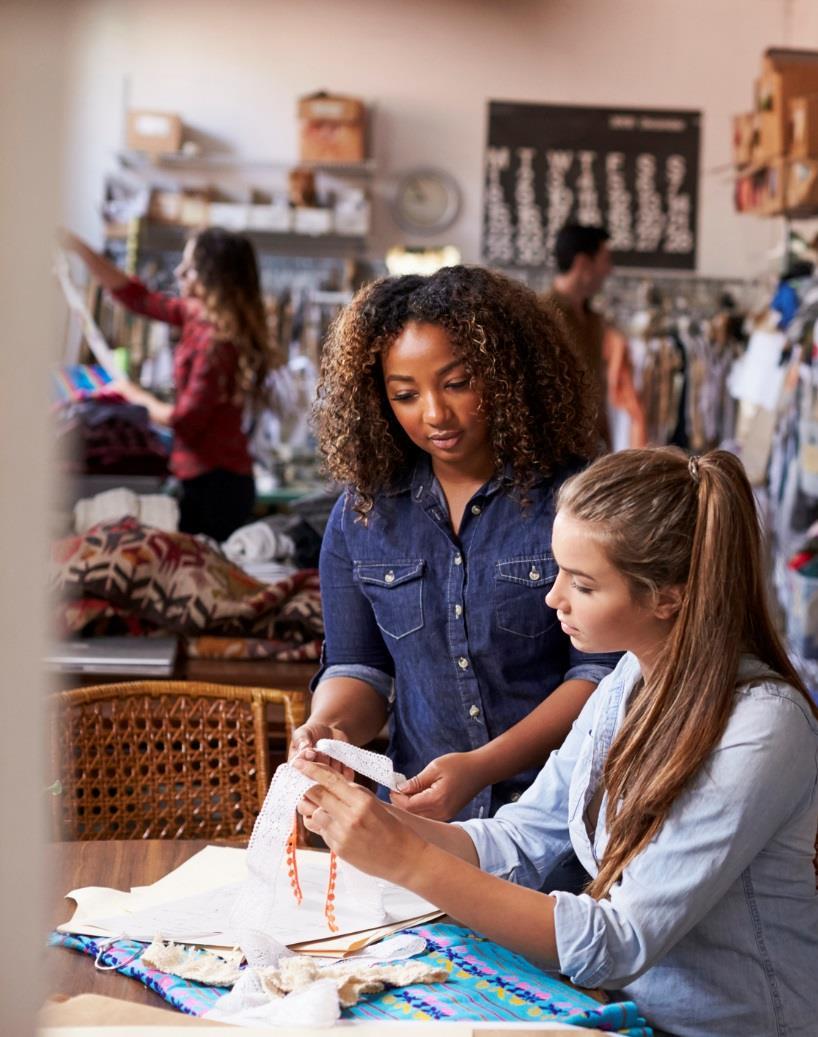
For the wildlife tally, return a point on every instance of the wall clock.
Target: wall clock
(426, 201)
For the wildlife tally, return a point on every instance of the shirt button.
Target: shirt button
(474, 711)
(476, 509)
(458, 559)
(463, 662)
(533, 574)
(458, 611)
(390, 577)
(514, 797)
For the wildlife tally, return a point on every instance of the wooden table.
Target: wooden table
(122, 864)
(119, 864)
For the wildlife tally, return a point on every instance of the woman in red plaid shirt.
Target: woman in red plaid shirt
(220, 366)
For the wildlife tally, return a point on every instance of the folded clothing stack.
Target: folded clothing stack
(151, 509)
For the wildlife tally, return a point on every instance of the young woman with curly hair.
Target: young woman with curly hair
(220, 366)
(452, 407)
(688, 787)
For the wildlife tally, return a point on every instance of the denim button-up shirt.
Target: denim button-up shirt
(452, 630)
(713, 929)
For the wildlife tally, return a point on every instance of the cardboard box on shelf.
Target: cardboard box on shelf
(804, 126)
(773, 194)
(744, 128)
(802, 187)
(331, 128)
(312, 221)
(229, 215)
(159, 133)
(165, 206)
(786, 74)
(352, 215)
(195, 206)
(275, 217)
(769, 138)
(762, 191)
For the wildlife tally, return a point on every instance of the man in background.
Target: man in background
(583, 263)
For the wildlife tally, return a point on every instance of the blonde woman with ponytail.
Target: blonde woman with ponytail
(687, 786)
(221, 362)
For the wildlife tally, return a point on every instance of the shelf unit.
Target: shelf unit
(234, 176)
(140, 161)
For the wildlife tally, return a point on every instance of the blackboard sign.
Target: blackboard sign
(634, 171)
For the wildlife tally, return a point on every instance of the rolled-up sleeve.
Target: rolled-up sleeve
(762, 773)
(590, 667)
(525, 840)
(353, 645)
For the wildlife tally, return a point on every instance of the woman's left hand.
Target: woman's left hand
(442, 788)
(357, 826)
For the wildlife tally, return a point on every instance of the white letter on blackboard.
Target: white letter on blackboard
(498, 246)
(529, 239)
(650, 220)
(619, 204)
(679, 236)
(560, 196)
(588, 211)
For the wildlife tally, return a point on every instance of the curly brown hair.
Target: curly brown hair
(227, 273)
(535, 392)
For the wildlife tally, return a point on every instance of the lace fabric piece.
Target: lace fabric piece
(218, 970)
(249, 1004)
(263, 903)
(256, 905)
(372, 765)
(352, 982)
(301, 992)
(261, 950)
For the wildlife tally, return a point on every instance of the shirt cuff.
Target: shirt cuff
(581, 934)
(593, 672)
(377, 679)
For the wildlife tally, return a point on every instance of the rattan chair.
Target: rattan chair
(163, 759)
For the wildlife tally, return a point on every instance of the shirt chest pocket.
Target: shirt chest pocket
(395, 592)
(520, 587)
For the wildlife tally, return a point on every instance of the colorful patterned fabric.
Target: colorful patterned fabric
(94, 617)
(486, 983)
(76, 381)
(124, 956)
(250, 648)
(183, 585)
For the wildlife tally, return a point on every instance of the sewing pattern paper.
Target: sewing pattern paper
(256, 907)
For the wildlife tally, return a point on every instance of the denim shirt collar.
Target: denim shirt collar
(422, 480)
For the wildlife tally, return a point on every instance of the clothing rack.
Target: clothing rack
(683, 336)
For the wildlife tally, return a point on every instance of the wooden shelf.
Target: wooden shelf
(171, 236)
(140, 161)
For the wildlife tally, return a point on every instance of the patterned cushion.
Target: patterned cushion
(182, 584)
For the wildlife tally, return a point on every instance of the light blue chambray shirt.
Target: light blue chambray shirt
(713, 930)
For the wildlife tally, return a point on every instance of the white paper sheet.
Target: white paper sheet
(203, 889)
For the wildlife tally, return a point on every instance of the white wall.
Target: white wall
(32, 46)
(235, 69)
